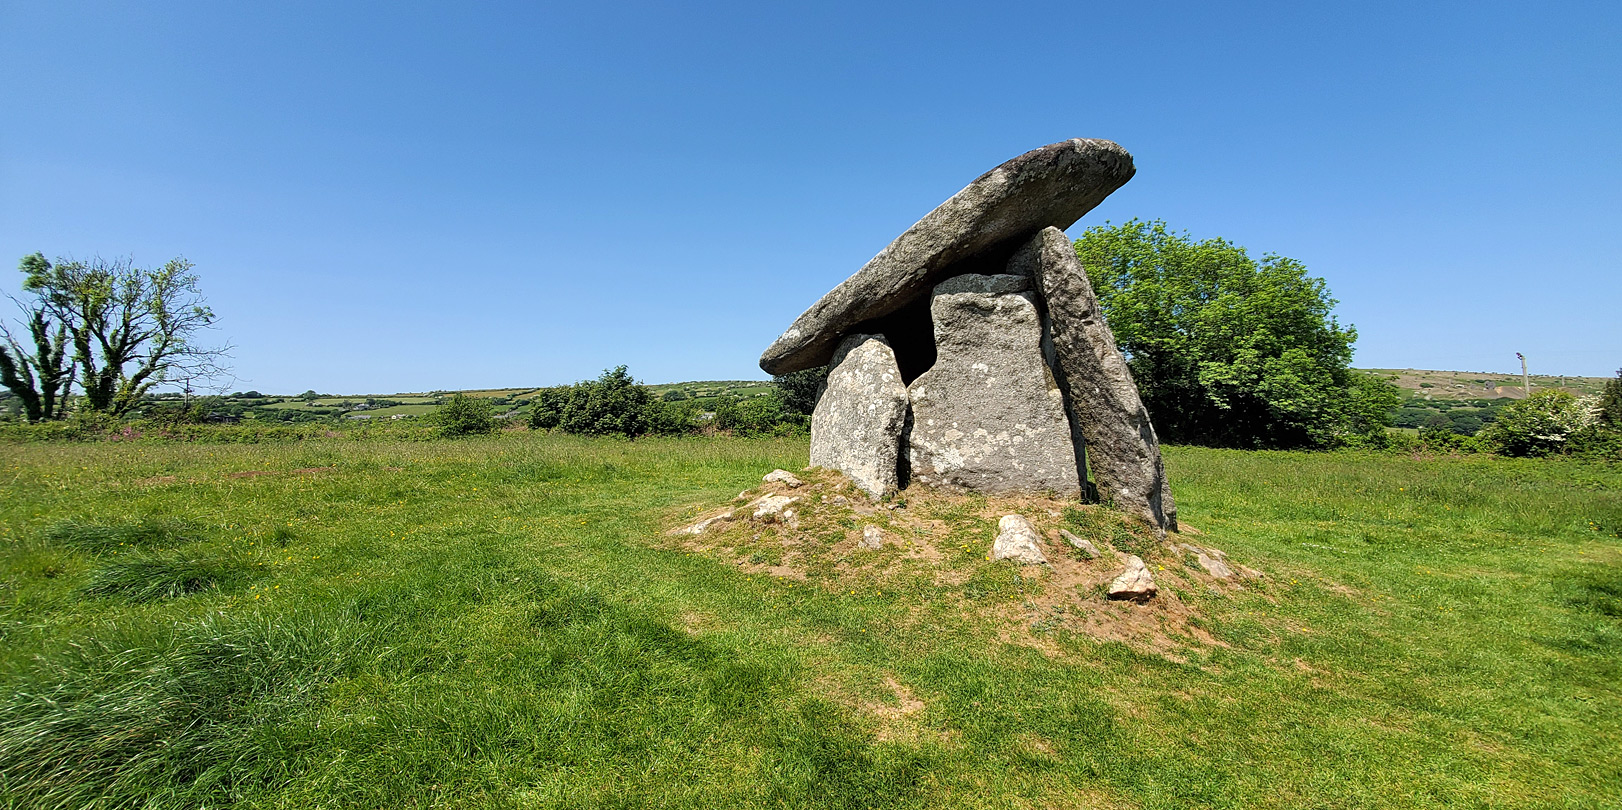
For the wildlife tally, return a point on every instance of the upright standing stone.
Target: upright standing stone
(860, 415)
(988, 416)
(1122, 450)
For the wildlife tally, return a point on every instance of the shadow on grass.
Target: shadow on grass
(148, 576)
(82, 535)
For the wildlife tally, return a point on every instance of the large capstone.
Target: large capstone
(1051, 186)
(988, 416)
(1122, 450)
(860, 415)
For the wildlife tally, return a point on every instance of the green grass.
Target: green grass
(499, 622)
(142, 576)
(409, 410)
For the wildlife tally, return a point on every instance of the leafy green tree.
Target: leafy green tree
(1538, 425)
(1610, 402)
(1367, 410)
(131, 328)
(797, 391)
(1226, 350)
(1465, 423)
(612, 404)
(42, 377)
(463, 415)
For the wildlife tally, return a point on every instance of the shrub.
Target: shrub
(547, 410)
(1538, 425)
(1597, 442)
(614, 404)
(1367, 410)
(756, 416)
(465, 416)
(670, 418)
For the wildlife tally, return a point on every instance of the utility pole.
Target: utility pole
(1526, 382)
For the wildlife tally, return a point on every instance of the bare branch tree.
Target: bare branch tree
(132, 328)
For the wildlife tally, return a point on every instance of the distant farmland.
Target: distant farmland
(1425, 390)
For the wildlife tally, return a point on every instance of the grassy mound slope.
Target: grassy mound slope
(503, 622)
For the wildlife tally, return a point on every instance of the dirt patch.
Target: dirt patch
(898, 715)
(942, 540)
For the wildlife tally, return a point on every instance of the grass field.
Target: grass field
(502, 622)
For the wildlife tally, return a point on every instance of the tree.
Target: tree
(798, 390)
(1226, 350)
(131, 328)
(1610, 402)
(612, 404)
(1367, 409)
(41, 378)
(465, 416)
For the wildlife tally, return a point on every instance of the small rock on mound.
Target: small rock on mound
(1134, 583)
(872, 537)
(1085, 545)
(1017, 541)
(1213, 561)
(772, 506)
(783, 477)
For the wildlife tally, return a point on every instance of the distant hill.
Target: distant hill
(1469, 385)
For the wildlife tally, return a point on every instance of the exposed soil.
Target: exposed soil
(943, 539)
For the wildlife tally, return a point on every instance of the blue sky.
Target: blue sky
(407, 196)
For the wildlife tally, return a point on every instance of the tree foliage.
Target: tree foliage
(1228, 350)
(797, 390)
(1367, 411)
(466, 416)
(1610, 402)
(754, 416)
(130, 328)
(1539, 425)
(614, 404)
(40, 377)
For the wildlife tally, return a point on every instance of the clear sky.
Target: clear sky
(408, 196)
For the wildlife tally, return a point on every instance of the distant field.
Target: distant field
(1419, 385)
(410, 410)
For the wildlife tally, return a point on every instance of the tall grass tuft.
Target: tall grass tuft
(173, 717)
(91, 536)
(148, 576)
